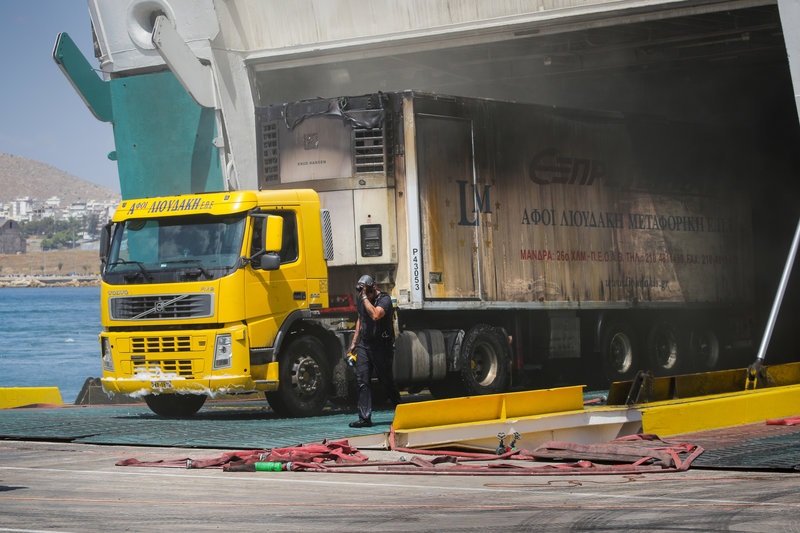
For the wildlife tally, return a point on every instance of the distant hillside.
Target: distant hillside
(20, 176)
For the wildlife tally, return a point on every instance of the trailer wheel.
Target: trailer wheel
(704, 348)
(486, 367)
(303, 379)
(175, 405)
(619, 352)
(665, 350)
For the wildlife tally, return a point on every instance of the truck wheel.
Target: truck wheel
(704, 348)
(303, 379)
(486, 368)
(664, 348)
(175, 405)
(619, 352)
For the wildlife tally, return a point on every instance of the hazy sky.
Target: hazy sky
(41, 115)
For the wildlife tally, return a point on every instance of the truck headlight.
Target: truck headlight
(223, 351)
(105, 350)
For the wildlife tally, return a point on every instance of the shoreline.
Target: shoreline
(26, 281)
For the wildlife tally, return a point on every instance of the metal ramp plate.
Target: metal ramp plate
(758, 446)
(538, 416)
(233, 425)
(559, 414)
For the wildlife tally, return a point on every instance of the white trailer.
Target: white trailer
(514, 235)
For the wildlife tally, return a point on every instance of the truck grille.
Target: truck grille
(370, 155)
(161, 344)
(164, 366)
(161, 307)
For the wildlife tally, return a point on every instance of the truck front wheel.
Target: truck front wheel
(486, 367)
(303, 379)
(175, 405)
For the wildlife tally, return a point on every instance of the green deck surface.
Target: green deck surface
(218, 425)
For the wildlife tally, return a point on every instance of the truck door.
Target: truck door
(271, 295)
(450, 206)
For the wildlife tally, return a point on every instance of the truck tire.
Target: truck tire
(304, 376)
(175, 405)
(486, 367)
(619, 351)
(665, 351)
(704, 348)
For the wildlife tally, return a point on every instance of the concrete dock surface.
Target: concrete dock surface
(58, 473)
(52, 486)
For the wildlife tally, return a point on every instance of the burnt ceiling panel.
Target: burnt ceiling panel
(597, 67)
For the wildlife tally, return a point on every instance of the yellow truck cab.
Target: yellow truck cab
(209, 294)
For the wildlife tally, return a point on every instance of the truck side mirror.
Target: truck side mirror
(270, 261)
(272, 236)
(271, 243)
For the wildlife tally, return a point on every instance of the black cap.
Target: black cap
(366, 280)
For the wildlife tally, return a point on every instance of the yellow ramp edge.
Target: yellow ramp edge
(536, 416)
(712, 412)
(707, 383)
(679, 404)
(473, 409)
(19, 396)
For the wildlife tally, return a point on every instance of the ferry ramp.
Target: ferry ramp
(250, 424)
(220, 424)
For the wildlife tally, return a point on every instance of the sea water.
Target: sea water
(49, 338)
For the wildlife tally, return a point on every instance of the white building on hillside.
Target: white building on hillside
(21, 208)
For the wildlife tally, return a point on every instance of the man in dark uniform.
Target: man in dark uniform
(374, 344)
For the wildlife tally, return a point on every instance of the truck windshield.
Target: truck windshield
(163, 250)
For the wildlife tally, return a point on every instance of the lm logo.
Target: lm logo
(482, 203)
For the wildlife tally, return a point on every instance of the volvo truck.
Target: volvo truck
(208, 294)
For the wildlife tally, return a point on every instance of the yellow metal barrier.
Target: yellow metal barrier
(19, 396)
(705, 384)
(667, 406)
(712, 412)
(696, 402)
(785, 374)
(474, 409)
